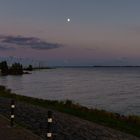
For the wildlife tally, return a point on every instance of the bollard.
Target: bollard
(12, 112)
(49, 128)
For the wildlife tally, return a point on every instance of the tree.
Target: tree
(16, 69)
(30, 68)
(4, 68)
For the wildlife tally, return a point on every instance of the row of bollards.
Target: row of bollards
(49, 135)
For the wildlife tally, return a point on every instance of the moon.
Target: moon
(68, 20)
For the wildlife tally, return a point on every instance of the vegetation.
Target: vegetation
(15, 69)
(29, 68)
(4, 68)
(128, 124)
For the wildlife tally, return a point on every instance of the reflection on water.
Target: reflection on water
(113, 89)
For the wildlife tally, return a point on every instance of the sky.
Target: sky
(100, 32)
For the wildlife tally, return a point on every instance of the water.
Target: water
(113, 89)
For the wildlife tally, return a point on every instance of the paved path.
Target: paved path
(15, 133)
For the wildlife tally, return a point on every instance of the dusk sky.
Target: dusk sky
(100, 32)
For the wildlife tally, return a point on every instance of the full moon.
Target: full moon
(68, 20)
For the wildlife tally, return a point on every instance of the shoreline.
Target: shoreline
(128, 124)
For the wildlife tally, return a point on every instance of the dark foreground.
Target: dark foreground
(15, 133)
(65, 127)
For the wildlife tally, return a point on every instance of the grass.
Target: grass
(128, 124)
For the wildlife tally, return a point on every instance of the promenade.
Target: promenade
(66, 127)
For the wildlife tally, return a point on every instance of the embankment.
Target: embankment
(71, 121)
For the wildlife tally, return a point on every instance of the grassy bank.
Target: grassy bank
(128, 124)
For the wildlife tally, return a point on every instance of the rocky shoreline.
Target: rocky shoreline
(65, 127)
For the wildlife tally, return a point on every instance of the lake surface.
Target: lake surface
(113, 89)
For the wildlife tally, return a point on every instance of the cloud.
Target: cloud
(31, 42)
(5, 48)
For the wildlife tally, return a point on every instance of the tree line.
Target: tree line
(15, 69)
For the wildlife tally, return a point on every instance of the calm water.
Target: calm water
(113, 89)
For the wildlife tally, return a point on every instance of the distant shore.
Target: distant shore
(94, 66)
(128, 124)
